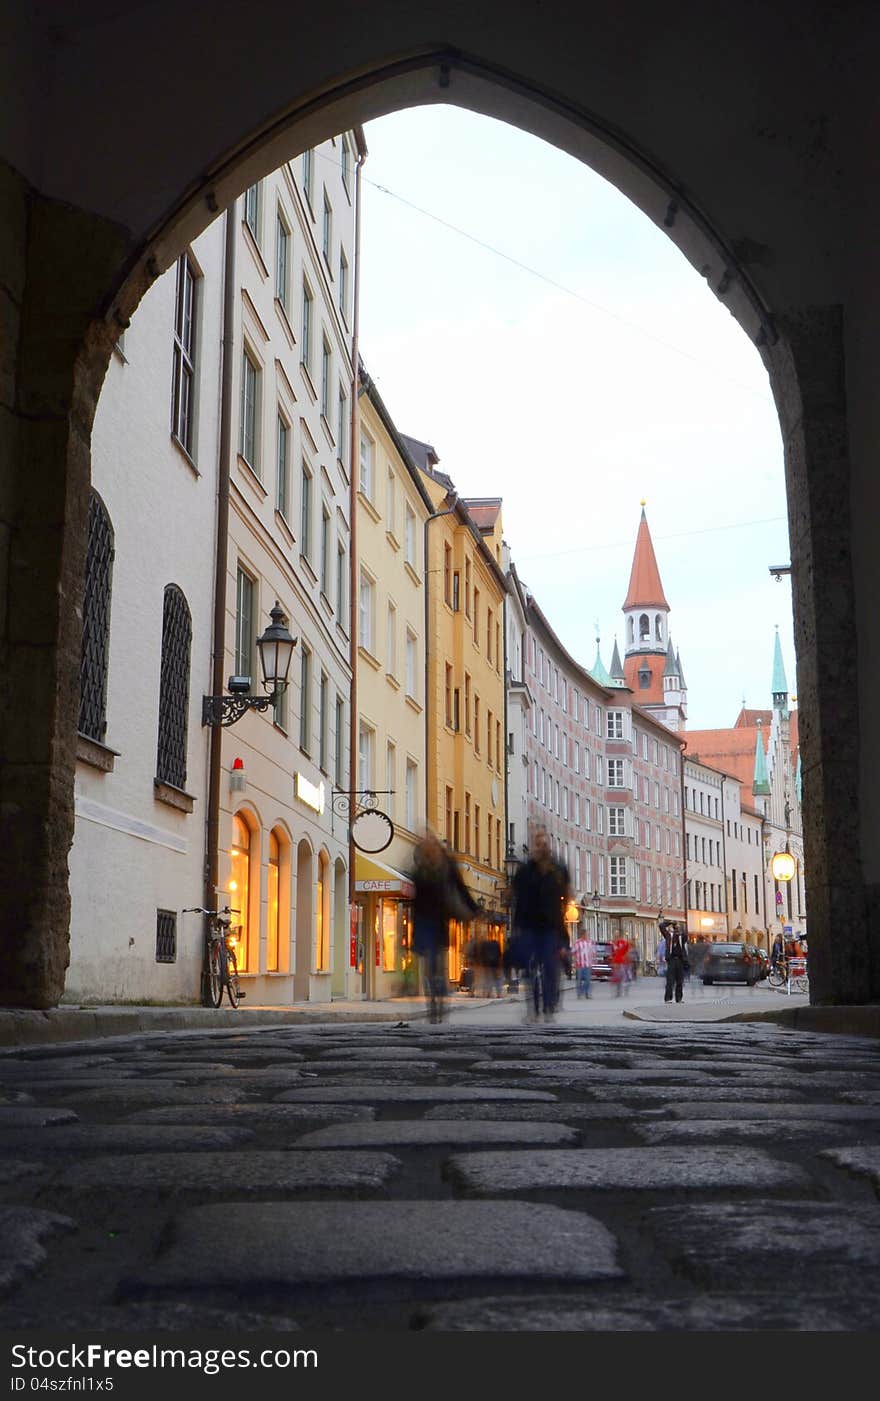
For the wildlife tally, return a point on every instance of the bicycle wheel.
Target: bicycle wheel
(232, 986)
(215, 974)
(776, 978)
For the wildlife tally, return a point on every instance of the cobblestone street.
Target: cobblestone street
(483, 1174)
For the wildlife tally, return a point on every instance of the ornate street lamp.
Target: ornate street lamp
(275, 649)
(783, 865)
(596, 903)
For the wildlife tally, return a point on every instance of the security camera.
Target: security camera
(239, 685)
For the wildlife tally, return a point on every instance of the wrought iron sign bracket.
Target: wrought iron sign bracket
(228, 710)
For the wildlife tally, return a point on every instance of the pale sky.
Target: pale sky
(574, 407)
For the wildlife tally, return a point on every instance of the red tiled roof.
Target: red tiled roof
(732, 750)
(645, 589)
(485, 514)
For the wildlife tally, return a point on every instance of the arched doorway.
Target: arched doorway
(305, 921)
(341, 959)
(596, 90)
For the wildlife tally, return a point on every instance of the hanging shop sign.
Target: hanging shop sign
(372, 830)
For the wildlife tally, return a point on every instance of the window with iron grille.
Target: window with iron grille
(183, 397)
(96, 623)
(166, 936)
(174, 688)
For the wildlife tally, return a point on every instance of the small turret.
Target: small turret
(761, 781)
(780, 685)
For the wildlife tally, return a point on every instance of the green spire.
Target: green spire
(671, 667)
(599, 673)
(761, 783)
(779, 688)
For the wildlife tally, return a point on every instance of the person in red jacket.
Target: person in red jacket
(620, 965)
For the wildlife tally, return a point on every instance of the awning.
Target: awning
(374, 877)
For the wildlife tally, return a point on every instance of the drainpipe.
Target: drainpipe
(212, 828)
(435, 515)
(353, 458)
(724, 860)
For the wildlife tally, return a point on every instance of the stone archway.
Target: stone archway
(759, 215)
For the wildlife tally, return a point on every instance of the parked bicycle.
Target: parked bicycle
(790, 974)
(222, 968)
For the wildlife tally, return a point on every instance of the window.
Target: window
(600, 770)
(410, 536)
(305, 349)
(489, 737)
(390, 502)
(248, 444)
(308, 170)
(448, 814)
(618, 875)
(366, 597)
(95, 652)
(305, 513)
(615, 773)
(366, 737)
(456, 591)
(600, 817)
(390, 775)
(467, 822)
(274, 892)
(448, 694)
(174, 688)
(343, 282)
(588, 814)
(282, 474)
(252, 203)
(305, 699)
(411, 667)
(657, 796)
(365, 481)
(340, 741)
(240, 884)
(282, 262)
(577, 757)
(614, 724)
(342, 427)
(467, 704)
(391, 640)
(166, 936)
(245, 592)
(477, 617)
(498, 744)
(326, 370)
(447, 573)
(411, 795)
(489, 631)
(325, 552)
(467, 588)
(327, 230)
(617, 822)
(183, 389)
(476, 724)
(341, 590)
(599, 720)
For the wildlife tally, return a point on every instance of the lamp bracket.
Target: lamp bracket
(228, 710)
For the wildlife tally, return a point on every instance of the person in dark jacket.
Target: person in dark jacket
(440, 895)
(540, 894)
(676, 961)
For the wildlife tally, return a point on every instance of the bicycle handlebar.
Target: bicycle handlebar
(200, 910)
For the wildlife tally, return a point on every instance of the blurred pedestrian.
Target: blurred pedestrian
(676, 962)
(583, 963)
(489, 957)
(540, 893)
(661, 951)
(620, 965)
(440, 895)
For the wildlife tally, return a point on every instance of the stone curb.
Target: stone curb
(841, 1021)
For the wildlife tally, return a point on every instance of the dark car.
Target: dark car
(602, 960)
(763, 960)
(731, 963)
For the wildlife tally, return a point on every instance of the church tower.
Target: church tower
(651, 667)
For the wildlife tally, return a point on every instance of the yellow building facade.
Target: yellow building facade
(392, 507)
(466, 729)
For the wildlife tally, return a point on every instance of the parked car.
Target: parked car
(763, 961)
(731, 963)
(602, 960)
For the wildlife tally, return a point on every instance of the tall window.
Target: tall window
(615, 773)
(274, 893)
(391, 640)
(282, 262)
(326, 363)
(390, 502)
(614, 724)
(342, 427)
(366, 737)
(340, 741)
(327, 230)
(343, 281)
(447, 573)
(183, 390)
(240, 887)
(174, 688)
(365, 612)
(411, 795)
(410, 536)
(308, 172)
(252, 210)
(411, 665)
(345, 162)
(305, 349)
(250, 407)
(305, 699)
(325, 552)
(365, 481)
(245, 600)
(617, 822)
(341, 590)
(305, 513)
(390, 774)
(96, 623)
(282, 466)
(323, 694)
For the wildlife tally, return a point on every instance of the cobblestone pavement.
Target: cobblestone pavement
(487, 1175)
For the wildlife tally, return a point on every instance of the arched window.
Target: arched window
(240, 886)
(322, 922)
(96, 623)
(631, 631)
(658, 628)
(174, 688)
(644, 628)
(278, 913)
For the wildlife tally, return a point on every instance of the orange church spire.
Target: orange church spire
(645, 589)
